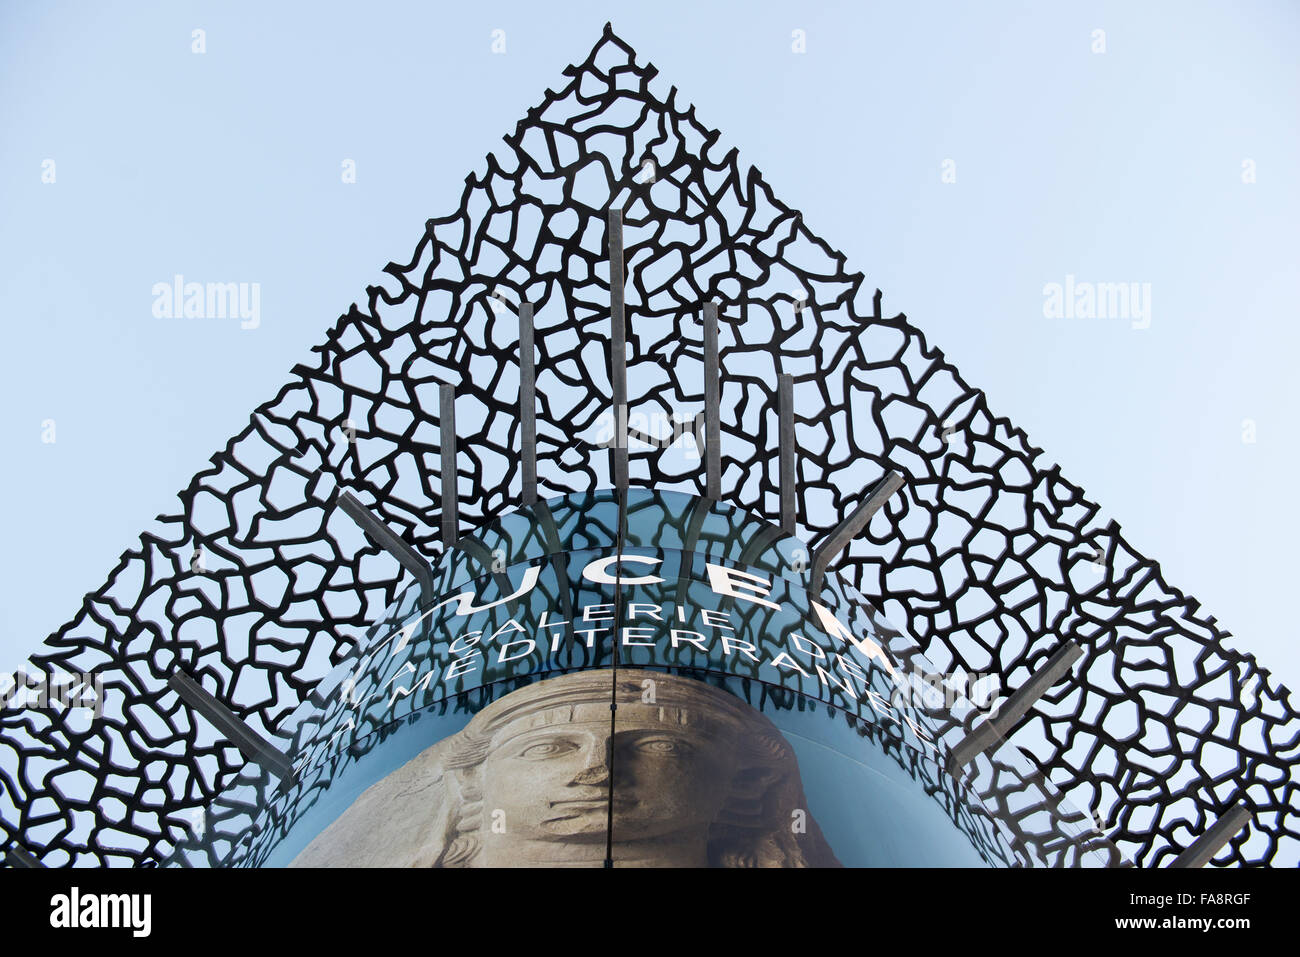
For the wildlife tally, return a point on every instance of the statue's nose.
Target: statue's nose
(596, 774)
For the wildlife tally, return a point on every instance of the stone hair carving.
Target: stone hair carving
(700, 778)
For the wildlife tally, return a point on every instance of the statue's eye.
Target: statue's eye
(547, 749)
(662, 746)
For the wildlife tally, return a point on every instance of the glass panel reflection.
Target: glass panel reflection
(756, 724)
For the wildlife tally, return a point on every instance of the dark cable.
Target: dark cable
(613, 690)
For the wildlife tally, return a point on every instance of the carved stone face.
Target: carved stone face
(550, 774)
(699, 777)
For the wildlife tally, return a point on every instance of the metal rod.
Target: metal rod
(694, 525)
(712, 401)
(994, 729)
(480, 553)
(559, 562)
(618, 346)
(1203, 849)
(251, 744)
(20, 857)
(847, 530)
(447, 445)
(785, 409)
(527, 404)
(389, 541)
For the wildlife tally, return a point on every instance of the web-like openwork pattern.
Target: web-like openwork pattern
(988, 556)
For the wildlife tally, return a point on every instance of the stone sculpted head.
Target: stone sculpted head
(700, 778)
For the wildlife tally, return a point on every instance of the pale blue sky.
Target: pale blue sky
(225, 166)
